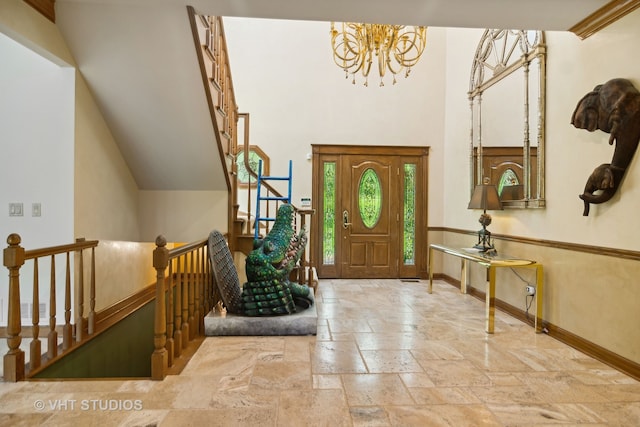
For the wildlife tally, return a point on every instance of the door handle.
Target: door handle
(345, 219)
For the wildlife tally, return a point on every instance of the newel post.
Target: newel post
(14, 359)
(159, 361)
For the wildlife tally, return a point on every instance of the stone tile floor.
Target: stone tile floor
(386, 354)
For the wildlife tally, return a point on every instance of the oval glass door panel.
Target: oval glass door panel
(370, 198)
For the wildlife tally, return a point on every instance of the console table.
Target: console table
(490, 262)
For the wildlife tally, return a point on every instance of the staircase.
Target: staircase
(211, 50)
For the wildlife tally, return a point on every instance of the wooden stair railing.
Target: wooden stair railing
(213, 59)
(16, 367)
(185, 294)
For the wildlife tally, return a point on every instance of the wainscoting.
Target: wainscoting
(591, 293)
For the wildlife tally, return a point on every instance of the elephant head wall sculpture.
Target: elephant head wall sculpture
(614, 108)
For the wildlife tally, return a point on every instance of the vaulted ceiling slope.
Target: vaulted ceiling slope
(138, 58)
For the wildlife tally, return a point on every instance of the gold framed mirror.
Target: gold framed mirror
(507, 126)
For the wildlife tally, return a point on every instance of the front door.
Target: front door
(369, 226)
(370, 205)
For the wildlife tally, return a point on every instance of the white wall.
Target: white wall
(285, 77)
(36, 146)
(36, 130)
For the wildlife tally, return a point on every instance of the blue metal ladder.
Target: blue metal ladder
(260, 197)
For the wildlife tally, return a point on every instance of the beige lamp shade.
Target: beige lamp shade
(485, 197)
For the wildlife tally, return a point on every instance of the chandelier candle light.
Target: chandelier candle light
(396, 48)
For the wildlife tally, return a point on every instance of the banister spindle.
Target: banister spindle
(200, 313)
(191, 285)
(36, 348)
(177, 334)
(80, 295)
(302, 266)
(52, 338)
(185, 305)
(170, 289)
(208, 283)
(67, 329)
(92, 294)
(159, 363)
(14, 359)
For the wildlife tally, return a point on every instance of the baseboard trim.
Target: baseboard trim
(599, 353)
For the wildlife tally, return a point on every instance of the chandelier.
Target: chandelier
(395, 48)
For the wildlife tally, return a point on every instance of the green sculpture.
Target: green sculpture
(268, 290)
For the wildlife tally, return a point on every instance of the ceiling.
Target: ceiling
(138, 59)
(526, 14)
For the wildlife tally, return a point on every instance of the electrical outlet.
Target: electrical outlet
(530, 290)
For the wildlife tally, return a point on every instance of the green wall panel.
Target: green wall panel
(123, 350)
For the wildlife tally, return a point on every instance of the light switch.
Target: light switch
(15, 209)
(36, 209)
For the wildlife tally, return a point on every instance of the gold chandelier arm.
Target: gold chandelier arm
(411, 41)
(396, 47)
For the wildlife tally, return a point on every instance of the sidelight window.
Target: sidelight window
(329, 214)
(409, 217)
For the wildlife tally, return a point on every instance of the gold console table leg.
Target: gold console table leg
(430, 270)
(463, 276)
(539, 295)
(490, 300)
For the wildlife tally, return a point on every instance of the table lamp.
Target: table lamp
(485, 196)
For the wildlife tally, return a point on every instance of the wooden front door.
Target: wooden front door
(369, 228)
(370, 205)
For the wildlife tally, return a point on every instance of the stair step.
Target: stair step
(275, 178)
(282, 199)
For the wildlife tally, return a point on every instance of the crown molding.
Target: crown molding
(604, 16)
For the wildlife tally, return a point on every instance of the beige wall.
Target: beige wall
(182, 216)
(121, 279)
(106, 195)
(595, 297)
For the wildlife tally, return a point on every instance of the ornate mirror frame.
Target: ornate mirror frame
(500, 54)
